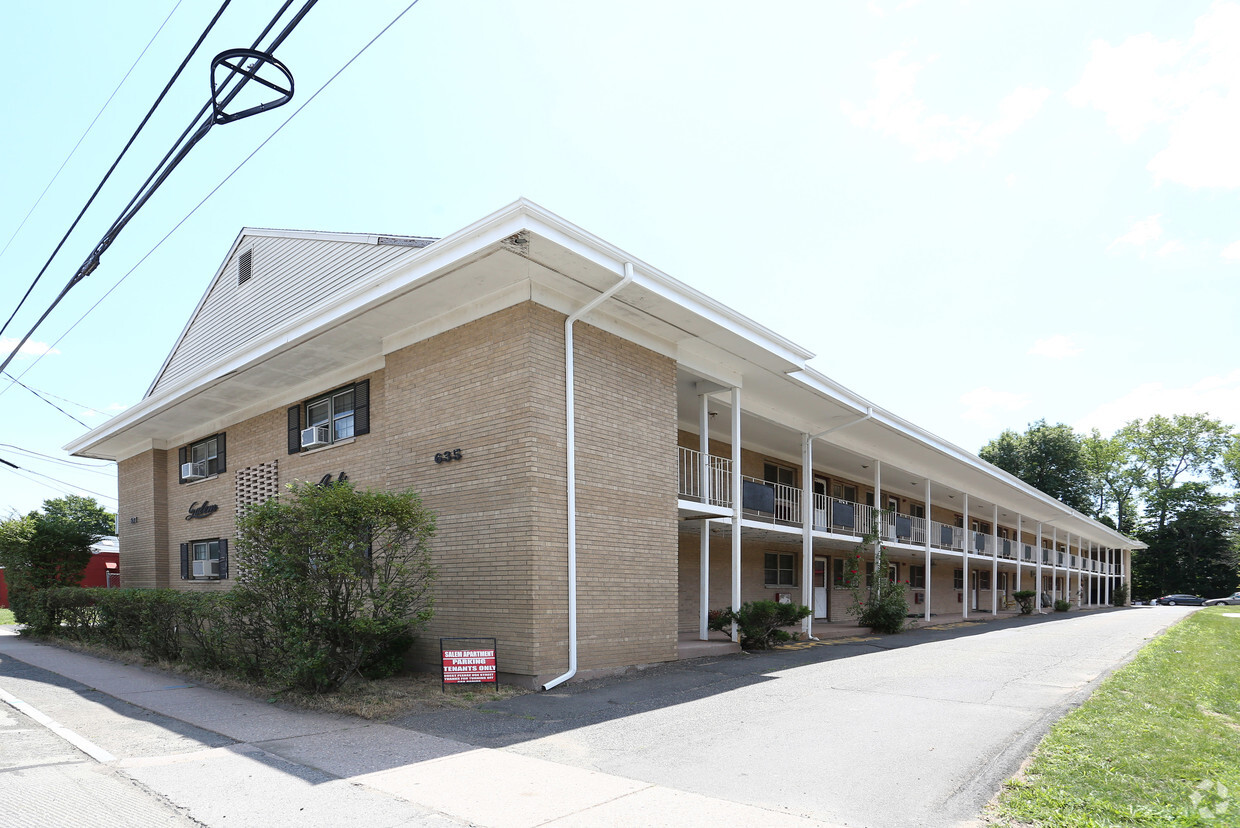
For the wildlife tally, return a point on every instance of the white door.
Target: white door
(821, 610)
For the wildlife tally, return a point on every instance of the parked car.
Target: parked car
(1179, 599)
(1233, 600)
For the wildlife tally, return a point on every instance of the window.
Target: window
(958, 579)
(917, 576)
(838, 579)
(202, 459)
(782, 475)
(1003, 582)
(204, 560)
(917, 510)
(840, 491)
(340, 415)
(983, 579)
(780, 569)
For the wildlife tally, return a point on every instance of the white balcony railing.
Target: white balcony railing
(709, 480)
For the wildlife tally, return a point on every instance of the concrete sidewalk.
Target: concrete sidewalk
(245, 762)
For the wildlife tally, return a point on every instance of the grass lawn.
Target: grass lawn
(6, 617)
(1158, 744)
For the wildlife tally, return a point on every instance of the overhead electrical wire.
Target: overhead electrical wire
(53, 479)
(159, 99)
(89, 127)
(46, 400)
(217, 187)
(183, 147)
(106, 469)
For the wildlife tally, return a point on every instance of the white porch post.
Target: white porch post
(878, 500)
(704, 548)
(736, 508)
(1054, 565)
(965, 591)
(994, 563)
(928, 561)
(1107, 580)
(1038, 575)
(1020, 552)
(807, 531)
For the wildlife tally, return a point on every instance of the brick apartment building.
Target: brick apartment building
(450, 366)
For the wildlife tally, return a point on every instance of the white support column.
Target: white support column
(704, 548)
(736, 508)
(807, 531)
(966, 593)
(1038, 574)
(1054, 565)
(1107, 580)
(878, 500)
(994, 563)
(1020, 552)
(1080, 569)
(928, 561)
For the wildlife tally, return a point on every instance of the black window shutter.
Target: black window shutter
(294, 429)
(219, 452)
(223, 558)
(361, 407)
(182, 459)
(185, 562)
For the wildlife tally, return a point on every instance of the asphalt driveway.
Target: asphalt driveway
(918, 729)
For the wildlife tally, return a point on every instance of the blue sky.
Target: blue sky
(976, 214)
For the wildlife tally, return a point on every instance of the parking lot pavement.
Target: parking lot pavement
(915, 729)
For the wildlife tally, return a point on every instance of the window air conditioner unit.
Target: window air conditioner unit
(193, 471)
(314, 437)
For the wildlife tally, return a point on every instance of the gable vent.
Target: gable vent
(245, 263)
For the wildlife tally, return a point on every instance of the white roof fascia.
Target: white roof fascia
(833, 389)
(605, 254)
(423, 262)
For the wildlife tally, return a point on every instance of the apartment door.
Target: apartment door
(822, 609)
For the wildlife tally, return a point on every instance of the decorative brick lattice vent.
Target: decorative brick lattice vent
(257, 483)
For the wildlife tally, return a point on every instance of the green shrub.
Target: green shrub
(1119, 595)
(332, 581)
(1061, 605)
(1025, 598)
(760, 622)
(881, 605)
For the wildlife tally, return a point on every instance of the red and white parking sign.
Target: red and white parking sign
(474, 664)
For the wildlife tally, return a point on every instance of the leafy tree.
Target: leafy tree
(1116, 477)
(1048, 457)
(333, 582)
(83, 511)
(50, 548)
(1171, 448)
(1193, 551)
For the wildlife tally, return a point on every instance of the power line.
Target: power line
(166, 166)
(108, 174)
(54, 480)
(46, 400)
(82, 406)
(93, 468)
(215, 189)
(89, 127)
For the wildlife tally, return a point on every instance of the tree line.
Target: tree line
(1169, 482)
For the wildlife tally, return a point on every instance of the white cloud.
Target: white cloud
(1231, 251)
(1055, 347)
(982, 404)
(30, 348)
(1219, 396)
(896, 112)
(1143, 234)
(1010, 179)
(1191, 87)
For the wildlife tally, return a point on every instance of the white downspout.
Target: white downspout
(571, 434)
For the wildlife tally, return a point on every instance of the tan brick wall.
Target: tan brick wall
(142, 525)
(493, 388)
